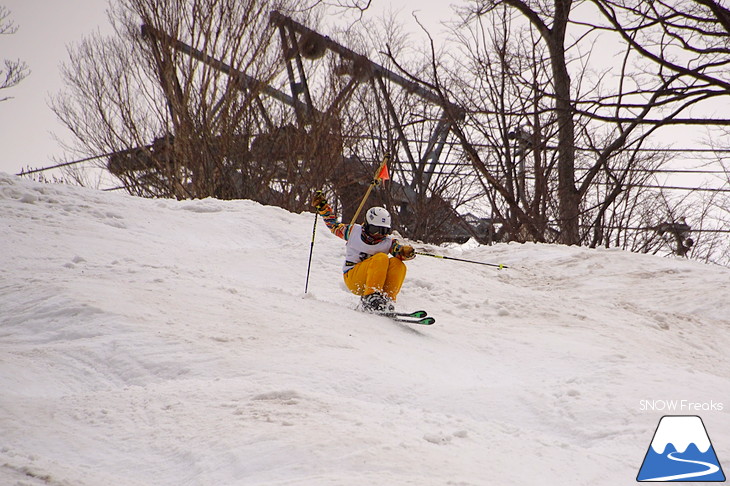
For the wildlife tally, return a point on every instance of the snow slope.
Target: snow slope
(156, 342)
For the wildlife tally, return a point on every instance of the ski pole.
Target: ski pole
(498, 265)
(311, 250)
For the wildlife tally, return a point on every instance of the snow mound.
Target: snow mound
(162, 342)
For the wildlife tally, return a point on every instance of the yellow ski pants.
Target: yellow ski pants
(377, 274)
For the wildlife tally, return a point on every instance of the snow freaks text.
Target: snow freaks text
(680, 406)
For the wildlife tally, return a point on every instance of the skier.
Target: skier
(369, 271)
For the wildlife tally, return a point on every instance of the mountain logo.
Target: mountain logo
(681, 451)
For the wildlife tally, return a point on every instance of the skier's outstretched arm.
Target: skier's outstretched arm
(330, 218)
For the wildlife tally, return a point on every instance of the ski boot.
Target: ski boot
(377, 303)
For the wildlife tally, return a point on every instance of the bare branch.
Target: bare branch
(13, 71)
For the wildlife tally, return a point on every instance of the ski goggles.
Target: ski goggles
(378, 230)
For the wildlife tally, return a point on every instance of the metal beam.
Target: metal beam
(245, 82)
(279, 19)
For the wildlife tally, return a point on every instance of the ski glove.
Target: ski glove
(407, 252)
(319, 201)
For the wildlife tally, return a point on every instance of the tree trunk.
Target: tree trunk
(568, 196)
(554, 37)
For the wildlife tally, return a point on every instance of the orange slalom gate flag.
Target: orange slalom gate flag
(384, 176)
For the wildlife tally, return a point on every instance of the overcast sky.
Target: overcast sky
(45, 28)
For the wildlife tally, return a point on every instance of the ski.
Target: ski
(419, 314)
(420, 317)
(426, 321)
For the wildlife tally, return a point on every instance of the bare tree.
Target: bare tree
(505, 76)
(502, 75)
(683, 50)
(167, 96)
(552, 25)
(13, 71)
(686, 40)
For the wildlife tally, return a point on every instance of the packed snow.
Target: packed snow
(160, 342)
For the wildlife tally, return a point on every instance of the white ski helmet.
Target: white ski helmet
(378, 217)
